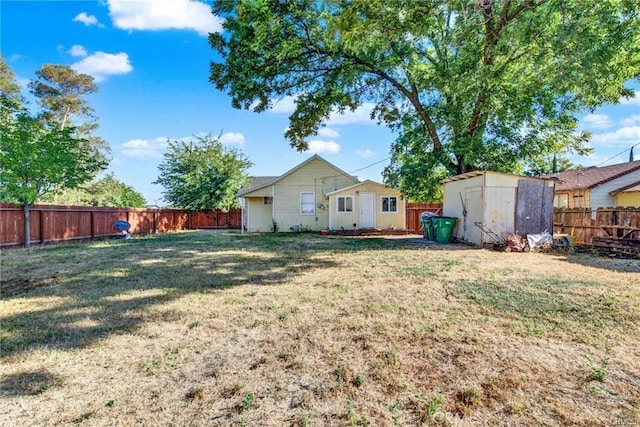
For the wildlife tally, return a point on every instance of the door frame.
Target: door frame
(371, 213)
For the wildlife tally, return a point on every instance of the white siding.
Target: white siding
(600, 197)
(458, 195)
(490, 198)
(259, 217)
(316, 177)
(383, 221)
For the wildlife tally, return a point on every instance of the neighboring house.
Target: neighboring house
(598, 187)
(505, 204)
(316, 195)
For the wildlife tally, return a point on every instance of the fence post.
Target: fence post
(92, 221)
(41, 224)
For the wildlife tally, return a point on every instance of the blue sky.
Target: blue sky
(151, 60)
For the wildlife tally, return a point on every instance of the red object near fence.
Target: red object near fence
(51, 223)
(414, 210)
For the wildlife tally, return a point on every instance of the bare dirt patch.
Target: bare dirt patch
(220, 329)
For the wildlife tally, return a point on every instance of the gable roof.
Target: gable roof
(631, 188)
(256, 182)
(359, 184)
(593, 176)
(264, 181)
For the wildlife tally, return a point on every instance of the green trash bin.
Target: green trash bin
(427, 227)
(444, 229)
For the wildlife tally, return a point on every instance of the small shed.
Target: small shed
(506, 204)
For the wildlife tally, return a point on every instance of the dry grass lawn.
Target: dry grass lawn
(204, 328)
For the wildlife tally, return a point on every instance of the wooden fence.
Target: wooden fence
(414, 210)
(50, 223)
(582, 225)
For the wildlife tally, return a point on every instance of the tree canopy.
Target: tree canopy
(106, 191)
(38, 155)
(466, 84)
(202, 174)
(62, 92)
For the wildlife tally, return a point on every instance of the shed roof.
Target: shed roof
(472, 174)
(593, 176)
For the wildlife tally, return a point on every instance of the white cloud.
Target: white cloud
(362, 115)
(78, 50)
(144, 148)
(232, 138)
(285, 105)
(87, 20)
(623, 136)
(164, 15)
(23, 82)
(100, 65)
(632, 101)
(328, 132)
(319, 147)
(631, 120)
(365, 153)
(597, 121)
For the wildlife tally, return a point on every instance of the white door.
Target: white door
(367, 210)
(473, 211)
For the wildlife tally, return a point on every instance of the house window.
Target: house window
(561, 200)
(267, 200)
(307, 203)
(389, 204)
(345, 204)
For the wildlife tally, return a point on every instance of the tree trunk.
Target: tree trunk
(27, 224)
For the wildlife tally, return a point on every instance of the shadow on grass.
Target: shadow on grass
(28, 383)
(623, 265)
(71, 296)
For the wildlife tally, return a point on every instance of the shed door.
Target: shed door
(367, 212)
(474, 208)
(534, 207)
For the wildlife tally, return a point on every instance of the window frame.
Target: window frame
(312, 203)
(345, 211)
(558, 200)
(382, 198)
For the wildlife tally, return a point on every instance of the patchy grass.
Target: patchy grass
(298, 329)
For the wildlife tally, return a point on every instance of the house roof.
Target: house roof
(359, 184)
(593, 176)
(256, 182)
(264, 181)
(631, 188)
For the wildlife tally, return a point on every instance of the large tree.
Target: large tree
(37, 155)
(62, 93)
(466, 84)
(202, 174)
(9, 91)
(105, 191)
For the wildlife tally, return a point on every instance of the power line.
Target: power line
(620, 153)
(372, 164)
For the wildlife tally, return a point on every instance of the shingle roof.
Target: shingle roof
(256, 182)
(264, 181)
(593, 176)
